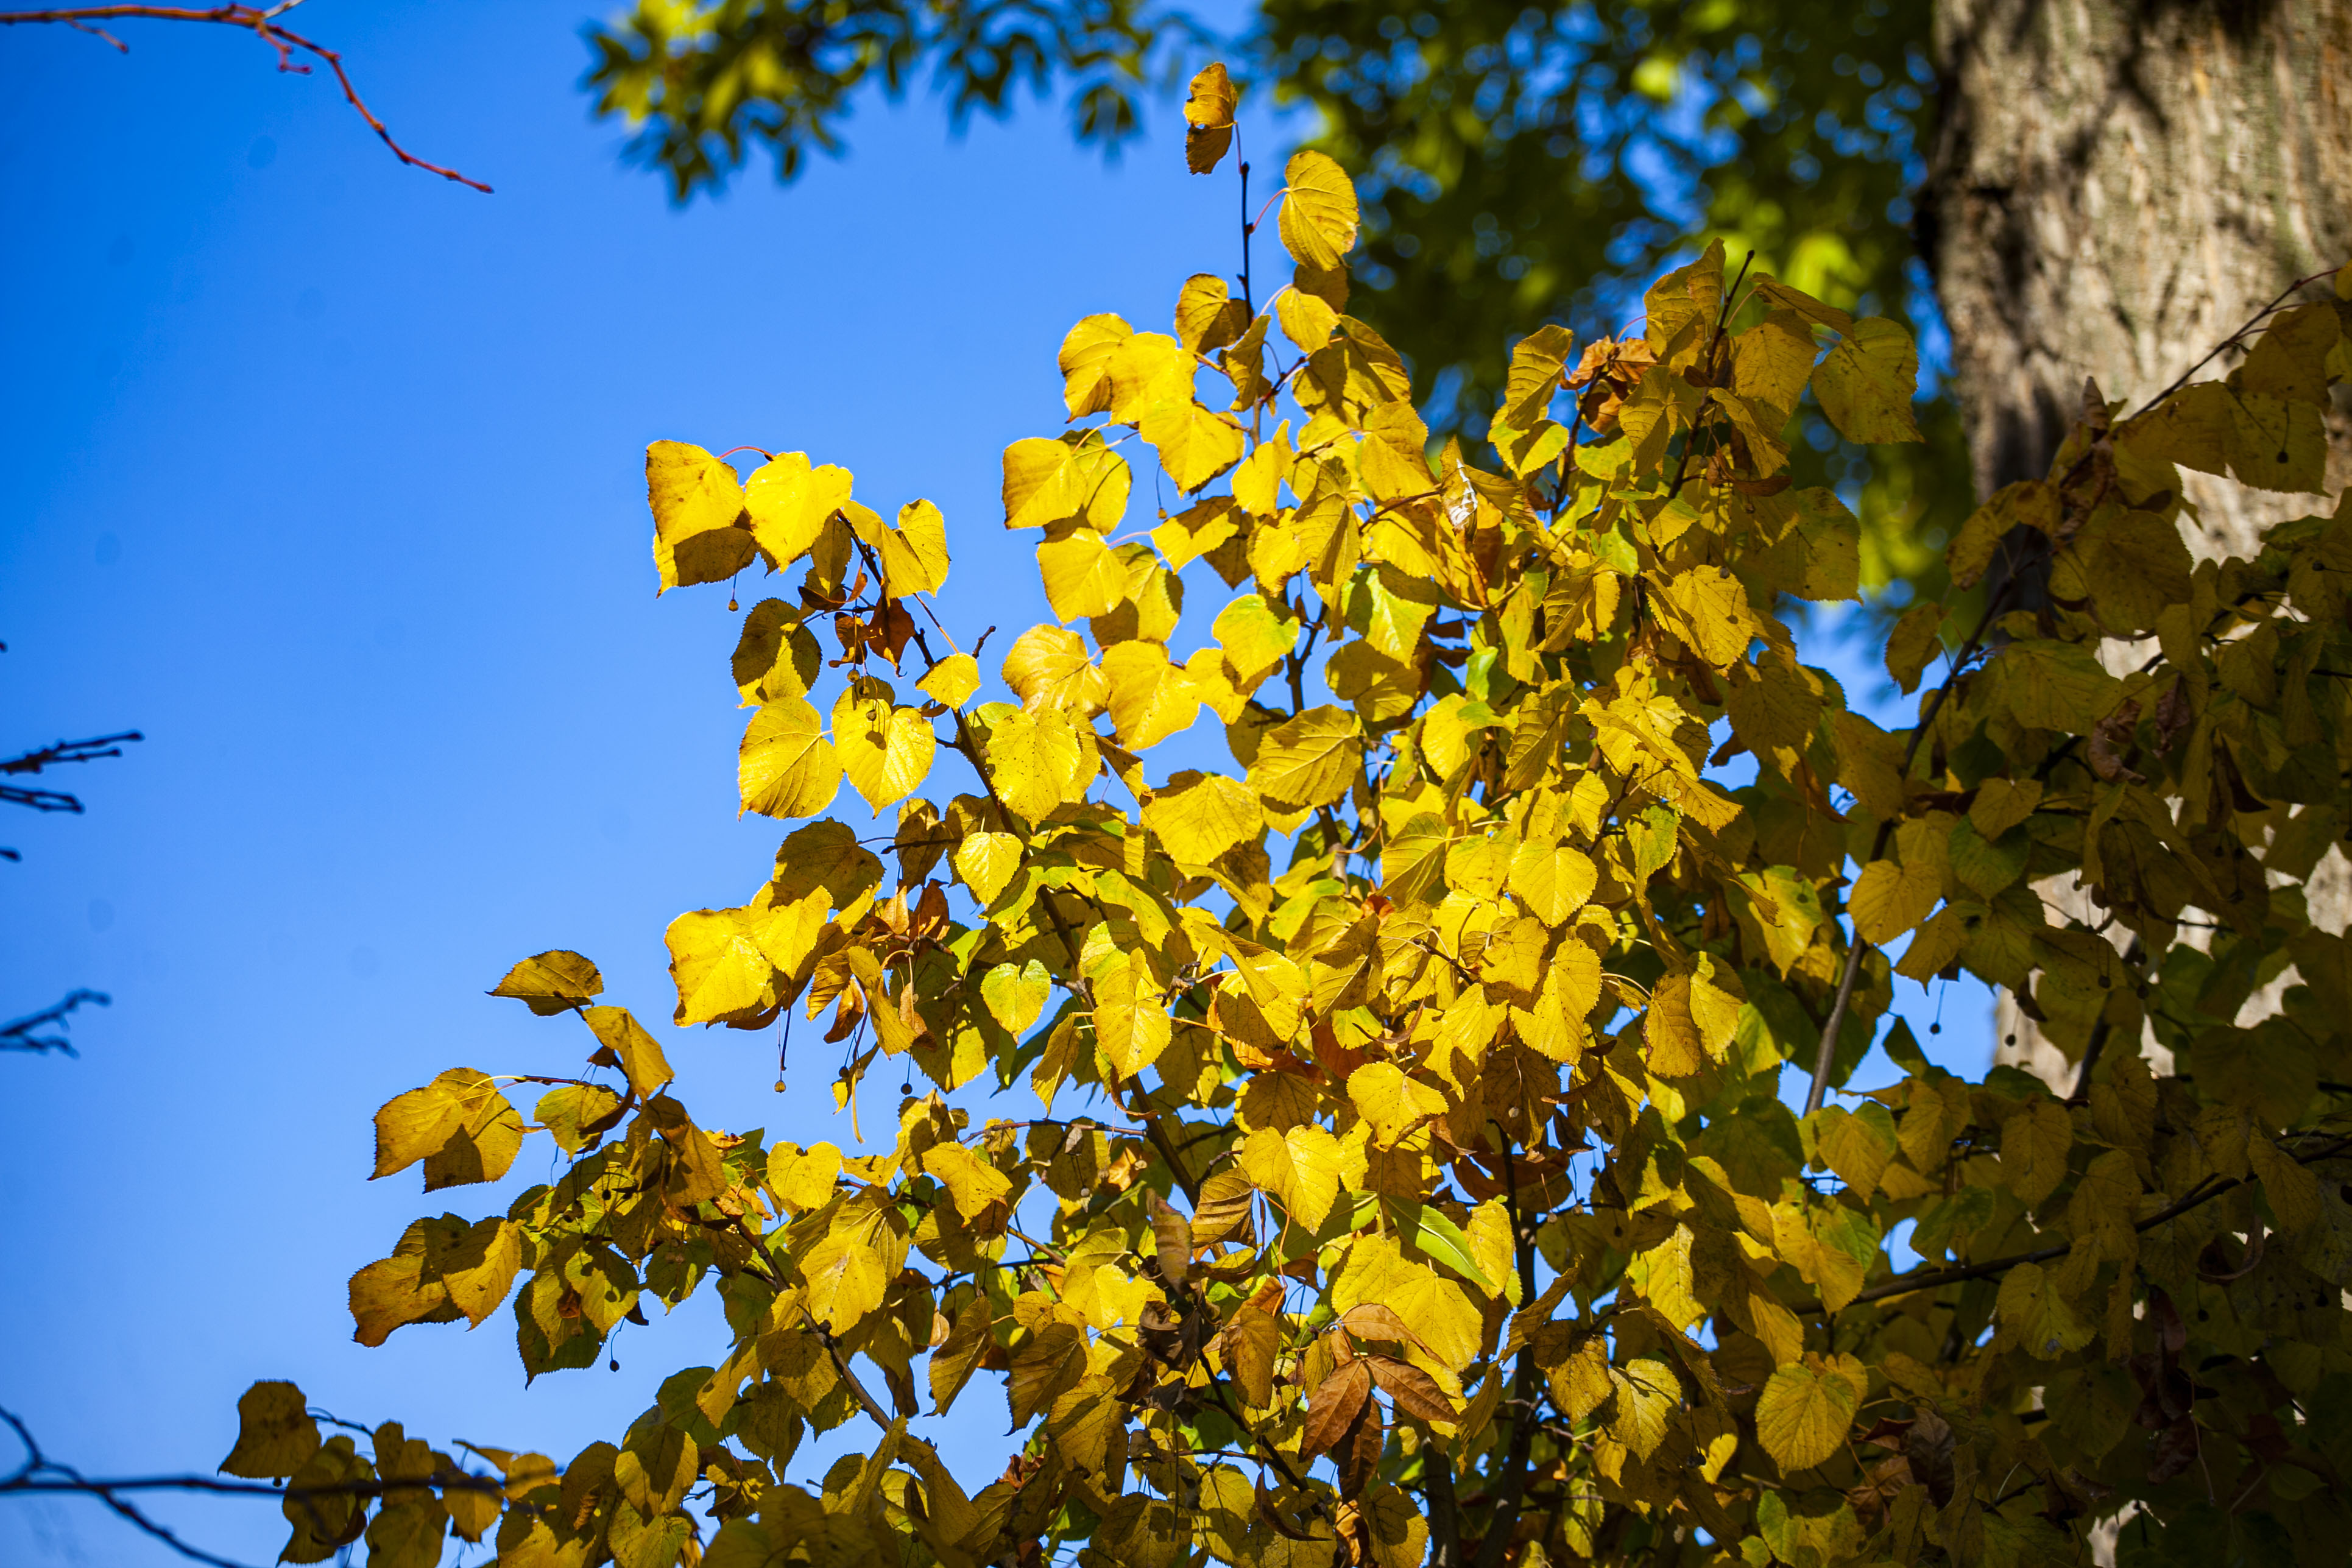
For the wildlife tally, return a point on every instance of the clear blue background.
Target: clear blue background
(327, 475)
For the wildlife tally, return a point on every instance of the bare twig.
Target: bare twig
(262, 23)
(40, 1476)
(53, 756)
(20, 1037)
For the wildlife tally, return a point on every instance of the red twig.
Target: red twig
(262, 22)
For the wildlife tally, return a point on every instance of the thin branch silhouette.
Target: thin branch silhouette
(262, 22)
(20, 1036)
(52, 755)
(39, 1475)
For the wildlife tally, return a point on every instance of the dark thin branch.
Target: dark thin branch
(53, 756)
(262, 23)
(1853, 953)
(40, 1476)
(2252, 322)
(1502, 1520)
(1933, 1278)
(20, 1036)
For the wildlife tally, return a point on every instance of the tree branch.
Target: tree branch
(52, 755)
(1933, 1278)
(41, 1476)
(19, 1036)
(262, 23)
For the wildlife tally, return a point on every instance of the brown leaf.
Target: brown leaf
(2111, 738)
(1371, 1320)
(1929, 1448)
(1333, 1406)
(1171, 1237)
(1359, 1453)
(1414, 1391)
(2175, 1450)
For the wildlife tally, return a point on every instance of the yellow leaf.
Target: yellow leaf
(696, 502)
(1197, 529)
(1553, 880)
(1858, 1145)
(459, 1125)
(718, 968)
(1075, 479)
(986, 861)
(1209, 118)
(2035, 1142)
(2002, 804)
(1151, 698)
(1085, 362)
(549, 983)
(1130, 1017)
(952, 680)
(1866, 383)
(276, 1434)
(1199, 816)
(786, 767)
(1081, 576)
(1300, 1166)
(1047, 667)
(1034, 759)
(1195, 443)
(802, 1178)
(1912, 643)
(972, 1184)
(1319, 210)
(846, 1279)
(1802, 1416)
(1708, 608)
(1309, 761)
(2293, 1191)
(776, 655)
(886, 750)
(2036, 1315)
(789, 502)
(915, 554)
(1888, 900)
(1648, 1395)
(1207, 316)
(642, 1061)
(1391, 1103)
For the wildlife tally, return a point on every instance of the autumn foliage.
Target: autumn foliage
(1373, 1148)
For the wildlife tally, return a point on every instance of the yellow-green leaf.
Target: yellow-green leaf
(1802, 1416)
(1866, 385)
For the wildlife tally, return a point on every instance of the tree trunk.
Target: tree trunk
(2117, 186)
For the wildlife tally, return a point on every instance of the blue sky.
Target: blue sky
(327, 475)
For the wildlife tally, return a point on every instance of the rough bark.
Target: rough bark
(2117, 186)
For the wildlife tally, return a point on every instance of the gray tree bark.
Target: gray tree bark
(2115, 187)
